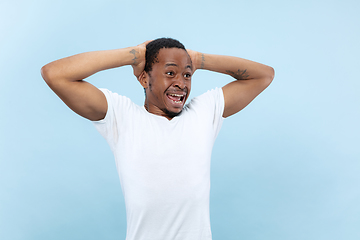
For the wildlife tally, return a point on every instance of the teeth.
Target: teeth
(176, 95)
(175, 101)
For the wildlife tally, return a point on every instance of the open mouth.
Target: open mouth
(176, 98)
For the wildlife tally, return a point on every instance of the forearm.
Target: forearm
(65, 77)
(83, 65)
(239, 68)
(251, 78)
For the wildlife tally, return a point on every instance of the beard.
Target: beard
(170, 114)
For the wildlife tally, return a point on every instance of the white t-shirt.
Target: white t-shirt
(164, 166)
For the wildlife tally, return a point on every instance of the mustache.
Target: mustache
(178, 91)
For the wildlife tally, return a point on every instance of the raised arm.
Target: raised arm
(65, 77)
(251, 78)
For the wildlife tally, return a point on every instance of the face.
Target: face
(168, 84)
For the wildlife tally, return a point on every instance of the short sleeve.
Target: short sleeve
(219, 110)
(110, 126)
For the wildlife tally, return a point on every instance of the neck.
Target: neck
(160, 112)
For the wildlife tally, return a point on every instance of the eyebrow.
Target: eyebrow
(171, 64)
(175, 65)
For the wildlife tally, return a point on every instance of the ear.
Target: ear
(144, 79)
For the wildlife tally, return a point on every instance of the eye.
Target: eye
(187, 75)
(170, 73)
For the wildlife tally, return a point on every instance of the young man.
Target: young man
(162, 149)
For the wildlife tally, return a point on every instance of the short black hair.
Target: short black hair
(153, 48)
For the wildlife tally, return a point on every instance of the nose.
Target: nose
(179, 82)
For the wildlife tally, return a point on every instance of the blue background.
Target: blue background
(286, 167)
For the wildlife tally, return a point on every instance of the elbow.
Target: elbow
(270, 74)
(48, 73)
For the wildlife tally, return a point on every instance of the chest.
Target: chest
(184, 141)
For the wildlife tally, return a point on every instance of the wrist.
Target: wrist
(201, 60)
(134, 56)
(138, 53)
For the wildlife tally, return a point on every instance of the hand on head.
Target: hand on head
(139, 58)
(195, 58)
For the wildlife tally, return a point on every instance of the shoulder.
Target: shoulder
(207, 110)
(209, 105)
(114, 99)
(210, 98)
(119, 106)
(112, 95)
